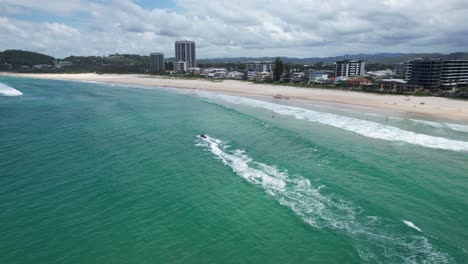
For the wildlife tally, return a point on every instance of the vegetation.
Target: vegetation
(228, 65)
(116, 63)
(462, 93)
(278, 71)
(421, 94)
(287, 71)
(18, 58)
(22, 61)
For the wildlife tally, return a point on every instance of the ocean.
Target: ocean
(96, 173)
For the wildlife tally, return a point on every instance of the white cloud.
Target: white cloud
(7, 27)
(302, 28)
(57, 7)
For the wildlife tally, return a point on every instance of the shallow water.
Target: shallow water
(91, 173)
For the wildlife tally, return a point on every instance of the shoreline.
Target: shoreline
(428, 107)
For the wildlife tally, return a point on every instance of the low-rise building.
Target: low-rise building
(285, 77)
(217, 73)
(265, 68)
(236, 75)
(356, 82)
(319, 77)
(260, 66)
(62, 63)
(251, 75)
(263, 76)
(297, 77)
(194, 71)
(396, 86)
(42, 66)
(339, 79)
(180, 66)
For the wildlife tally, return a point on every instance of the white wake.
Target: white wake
(375, 238)
(6, 90)
(410, 224)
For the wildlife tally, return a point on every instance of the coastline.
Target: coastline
(431, 107)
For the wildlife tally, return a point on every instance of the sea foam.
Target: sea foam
(6, 90)
(361, 127)
(375, 237)
(452, 126)
(457, 127)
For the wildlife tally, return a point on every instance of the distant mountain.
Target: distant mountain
(379, 58)
(19, 58)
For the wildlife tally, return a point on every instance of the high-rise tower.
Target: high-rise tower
(185, 51)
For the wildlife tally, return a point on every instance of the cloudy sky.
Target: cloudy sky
(295, 28)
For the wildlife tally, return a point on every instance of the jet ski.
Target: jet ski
(202, 136)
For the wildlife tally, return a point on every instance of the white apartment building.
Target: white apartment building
(350, 68)
(260, 66)
(180, 66)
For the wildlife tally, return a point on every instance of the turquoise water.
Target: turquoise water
(93, 173)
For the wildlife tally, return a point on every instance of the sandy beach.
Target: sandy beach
(433, 107)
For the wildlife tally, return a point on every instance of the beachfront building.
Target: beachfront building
(260, 66)
(185, 50)
(260, 70)
(157, 64)
(397, 86)
(424, 72)
(195, 71)
(446, 75)
(217, 73)
(180, 66)
(350, 68)
(297, 77)
(251, 75)
(263, 76)
(357, 82)
(236, 75)
(454, 74)
(400, 69)
(318, 78)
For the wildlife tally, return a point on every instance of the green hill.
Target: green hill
(18, 58)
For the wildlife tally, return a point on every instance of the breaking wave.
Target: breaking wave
(377, 240)
(457, 127)
(361, 127)
(6, 90)
(452, 126)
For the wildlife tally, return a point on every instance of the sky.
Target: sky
(234, 28)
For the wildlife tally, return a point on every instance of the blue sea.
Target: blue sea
(96, 173)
